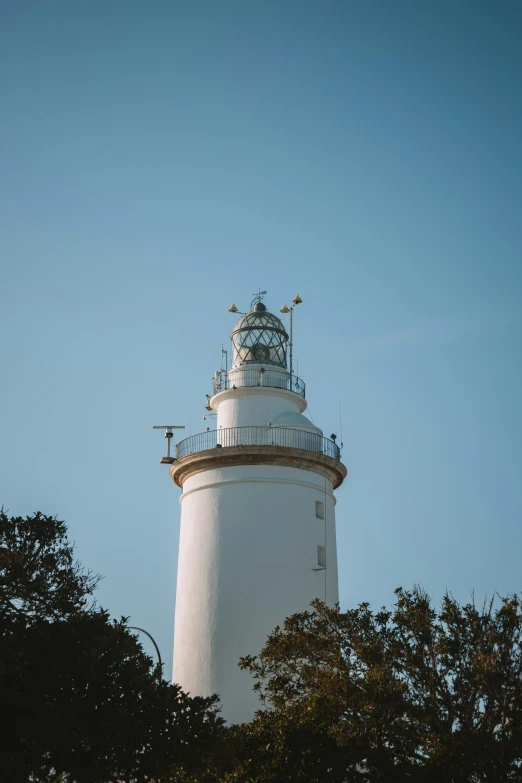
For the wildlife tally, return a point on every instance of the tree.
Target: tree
(408, 694)
(39, 576)
(81, 701)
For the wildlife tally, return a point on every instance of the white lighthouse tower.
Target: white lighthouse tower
(257, 540)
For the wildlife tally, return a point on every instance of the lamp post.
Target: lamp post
(159, 665)
(285, 309)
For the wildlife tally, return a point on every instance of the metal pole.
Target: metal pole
(160, 665)
(291, 363)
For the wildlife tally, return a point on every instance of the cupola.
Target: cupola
(259, 337)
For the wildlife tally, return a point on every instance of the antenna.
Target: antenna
(285, 309)
(225, 354)
(167, 460)
(341, 421)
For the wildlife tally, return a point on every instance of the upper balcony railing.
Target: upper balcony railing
(258, 436)
(246, 377)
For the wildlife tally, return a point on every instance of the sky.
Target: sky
(161, 160)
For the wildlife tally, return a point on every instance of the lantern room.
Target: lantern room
(259, 337)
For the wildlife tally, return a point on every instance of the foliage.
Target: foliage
(39, 576)
(402, 694)
(82, 701)
(408, 694)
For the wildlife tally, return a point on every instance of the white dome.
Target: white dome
(294, 420)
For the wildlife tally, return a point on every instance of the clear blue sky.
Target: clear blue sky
(160, 160)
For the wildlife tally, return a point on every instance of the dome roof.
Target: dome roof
(260, 319)
(296, 420)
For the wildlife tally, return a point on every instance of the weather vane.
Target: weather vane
(257, 298)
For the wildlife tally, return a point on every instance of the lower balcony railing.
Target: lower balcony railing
(258, 436)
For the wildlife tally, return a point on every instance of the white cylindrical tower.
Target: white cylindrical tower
(257, 540)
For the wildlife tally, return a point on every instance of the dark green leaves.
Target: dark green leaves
(81, 702)
(407, 693)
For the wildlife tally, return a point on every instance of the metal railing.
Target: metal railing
(248, 378)
(258, 436)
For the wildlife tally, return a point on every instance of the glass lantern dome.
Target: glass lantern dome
(259, 337)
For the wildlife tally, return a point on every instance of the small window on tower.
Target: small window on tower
(319, 509)
(321, 556)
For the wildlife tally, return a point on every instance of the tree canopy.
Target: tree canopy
(407, 693)
(81, 701)
(39, 575)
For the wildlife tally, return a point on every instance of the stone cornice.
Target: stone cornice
(286, 456)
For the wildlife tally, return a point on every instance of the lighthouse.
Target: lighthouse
(257, 538)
